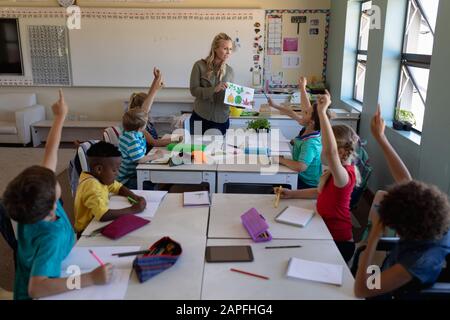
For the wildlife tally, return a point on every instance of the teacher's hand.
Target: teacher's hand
(222, 86)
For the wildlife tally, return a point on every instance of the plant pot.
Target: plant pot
(398, 125)
(407, 126)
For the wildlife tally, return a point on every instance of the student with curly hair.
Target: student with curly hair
(420, 214)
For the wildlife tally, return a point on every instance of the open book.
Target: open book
(315, 271)
(198, 198)
(153, 199)
(80, 260)
(295, 216)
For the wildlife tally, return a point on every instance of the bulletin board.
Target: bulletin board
(296, 44)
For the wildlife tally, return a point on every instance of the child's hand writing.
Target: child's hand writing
(324, 102)
(102, 274)
(60, 108)
(377, 125)
(285, 193)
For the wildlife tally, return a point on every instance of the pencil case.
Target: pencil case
(123, 225)
(256, 226)
(260, 150)
(163, 254)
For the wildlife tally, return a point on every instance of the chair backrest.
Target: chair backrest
(79, 164)
(112, 134)
(6, 228)
(362, 163)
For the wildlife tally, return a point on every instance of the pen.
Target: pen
(266, 95)
(250, 274)
(132, 253)
(96, 258)
(132, 201)
(277, 199)
(283, 247)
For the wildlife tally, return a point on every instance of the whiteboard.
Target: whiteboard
(120, 47)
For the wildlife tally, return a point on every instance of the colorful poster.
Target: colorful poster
(239, 96)
(290, 44)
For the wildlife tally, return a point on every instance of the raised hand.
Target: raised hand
(302, 82)
(377, 124)
(60, 108)
(157, 81)
(324, 101)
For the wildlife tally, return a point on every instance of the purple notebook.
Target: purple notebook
(256, 226)
(123, 225)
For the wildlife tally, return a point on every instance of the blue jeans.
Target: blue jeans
(206, 124)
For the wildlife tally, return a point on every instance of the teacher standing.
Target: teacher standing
(208, 84)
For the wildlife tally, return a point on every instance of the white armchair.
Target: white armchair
(17, 112)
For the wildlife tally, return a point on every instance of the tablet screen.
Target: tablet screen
(229, 254)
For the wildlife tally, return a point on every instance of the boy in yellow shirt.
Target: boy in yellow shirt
(94, 187)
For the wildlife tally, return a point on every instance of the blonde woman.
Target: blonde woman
(208, 84)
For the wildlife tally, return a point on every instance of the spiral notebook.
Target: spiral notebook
(295, 216)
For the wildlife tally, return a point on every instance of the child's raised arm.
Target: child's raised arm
(59, 110)
(329, 145)
(302, 82)
(155, 86)
(284, 110)
(398, 169)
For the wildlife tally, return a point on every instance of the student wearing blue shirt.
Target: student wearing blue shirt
(307, 147)
(133, 147)
(420, 214)
(45, 235)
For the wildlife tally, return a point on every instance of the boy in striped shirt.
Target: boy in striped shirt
(133, 147)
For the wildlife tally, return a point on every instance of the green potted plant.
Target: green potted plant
(404, 119)
(259, 125)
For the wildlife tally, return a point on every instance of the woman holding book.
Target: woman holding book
(208, 84)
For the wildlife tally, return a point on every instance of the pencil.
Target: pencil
(132, 201)
(283, 247)
(250, 274)
(277, 199)
(133, 253)
(97, 258)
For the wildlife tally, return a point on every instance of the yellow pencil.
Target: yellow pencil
(277, 199)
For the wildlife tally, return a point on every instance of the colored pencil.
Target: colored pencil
(277, 199)
(250, 274)
(97, 258)
(283, 247)
(132, 201)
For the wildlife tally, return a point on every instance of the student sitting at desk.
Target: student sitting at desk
(420, 214)
(336, 186)
(307, 147)
(45, 234)
(92, 197)
(133, 147)
(144, 101)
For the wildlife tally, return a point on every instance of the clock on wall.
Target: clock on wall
(66, 3)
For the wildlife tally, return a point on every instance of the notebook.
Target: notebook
(315, 271)
(295, 216)
(80, 258)
(153, 199)
(198, 198)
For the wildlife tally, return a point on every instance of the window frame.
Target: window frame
(408, 60)
(359, 52)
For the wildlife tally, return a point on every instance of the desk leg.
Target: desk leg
(35, 137)
(210, 178)
(142, 175)
(220, 181)
(292, 180)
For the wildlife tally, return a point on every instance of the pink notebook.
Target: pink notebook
(123, 225)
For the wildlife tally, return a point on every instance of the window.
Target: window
(10, 55)
(416, 59)
(363, 44)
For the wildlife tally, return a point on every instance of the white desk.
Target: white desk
(184, 225)
(72, 130)
(184, 174)
(255, 173)
(219, 283)
(226, 210)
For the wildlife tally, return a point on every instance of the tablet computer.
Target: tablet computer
(229, 254)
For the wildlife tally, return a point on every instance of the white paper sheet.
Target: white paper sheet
(199, 198)
(115, 290)
(315, 271)
(153, 199)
